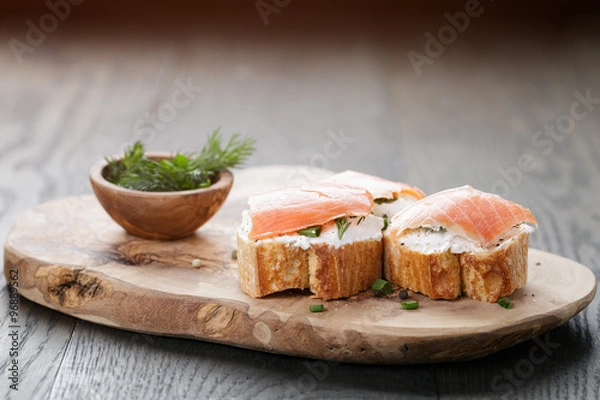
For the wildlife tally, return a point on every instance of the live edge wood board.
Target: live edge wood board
(70, 256)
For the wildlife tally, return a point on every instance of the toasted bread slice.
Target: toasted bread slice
(266, 267)
(330, 268)
(344, 271)
(489, 275)
(444, 273)
(436, 275)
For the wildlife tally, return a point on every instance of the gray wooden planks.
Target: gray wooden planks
(119, 364)
(43, 337)
(561, 190)
(475, 109)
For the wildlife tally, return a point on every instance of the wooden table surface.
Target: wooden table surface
(511, 104)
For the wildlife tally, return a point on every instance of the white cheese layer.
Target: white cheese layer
(428, 241)
(391, 209)
(369, 229)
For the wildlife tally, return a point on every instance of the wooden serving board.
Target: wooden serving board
(70, 256)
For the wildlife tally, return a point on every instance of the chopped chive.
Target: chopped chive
(361, 219)
(317, 308)
(234, 254)
(382, 200)
(410, 304)
(313, 231)
(383, 286)
(342, 224)
(385, 223)
(505, 302)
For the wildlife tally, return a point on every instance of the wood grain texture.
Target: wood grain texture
(317, 71)
(45, 338)
(73, 258)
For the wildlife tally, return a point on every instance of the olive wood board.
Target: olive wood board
(71, 257)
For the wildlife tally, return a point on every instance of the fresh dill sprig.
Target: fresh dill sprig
(214, 156)
(342, 224)
(181, 172)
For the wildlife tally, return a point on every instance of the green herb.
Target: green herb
(505, 302)
(382, 200)
(234, 254)
(361, 219)
(181, 172)
(385, 223)
(439, 229)
(383, 286)
(410, 304)
(317, 308)
(313, 231)
(342, 224)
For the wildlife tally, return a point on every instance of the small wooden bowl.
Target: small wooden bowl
(159, 215)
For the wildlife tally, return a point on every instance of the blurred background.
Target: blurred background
(437, 93)
(499, 94)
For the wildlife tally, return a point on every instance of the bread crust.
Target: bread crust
(329, 272)
(486, 275)
(437, 275)
(345, 270)
(489, 275)
(269, 267)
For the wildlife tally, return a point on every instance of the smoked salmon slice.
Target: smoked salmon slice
(380, 188)
(465, 211)
(294, 207)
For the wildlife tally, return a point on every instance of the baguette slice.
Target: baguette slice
(330, 268)
(481, 274)
(390, 197)
(460, 241)
(270, 267)
(437, 275)
(496, 273)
